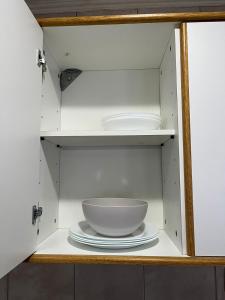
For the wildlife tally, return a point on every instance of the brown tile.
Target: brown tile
(105, 282)
(180, 283)
(41, 282)
(3, 288)
(220, 283)
(168, 9)
(41, 7)
(56, 15)
(106, 12)
(212, 8)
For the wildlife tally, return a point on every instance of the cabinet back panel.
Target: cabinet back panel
(107, 47)
(96, 94)
(109, 172)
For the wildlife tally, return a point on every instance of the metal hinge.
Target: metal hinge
(41, 61)
(36, 212)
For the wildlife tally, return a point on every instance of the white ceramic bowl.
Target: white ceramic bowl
(132, 121)
(114, 216)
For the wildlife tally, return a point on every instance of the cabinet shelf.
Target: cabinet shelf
(57, 249)
(59, 244)
(107, 138)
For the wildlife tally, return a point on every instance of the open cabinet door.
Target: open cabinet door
(206, 55)
(20, 93)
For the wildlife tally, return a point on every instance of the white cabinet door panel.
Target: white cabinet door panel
(206, 46)
(20, 91)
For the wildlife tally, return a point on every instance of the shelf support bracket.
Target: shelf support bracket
(67, 77)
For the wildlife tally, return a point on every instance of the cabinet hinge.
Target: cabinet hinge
(41, 60)
(36, 212)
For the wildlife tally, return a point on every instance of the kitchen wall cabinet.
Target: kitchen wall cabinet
(140, 66)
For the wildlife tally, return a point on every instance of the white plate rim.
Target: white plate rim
(77, 231)
(116, 246)
(113, 242)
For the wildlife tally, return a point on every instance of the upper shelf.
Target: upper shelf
(107, 138)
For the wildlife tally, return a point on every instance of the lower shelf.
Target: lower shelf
(57, 249)
(59, 244)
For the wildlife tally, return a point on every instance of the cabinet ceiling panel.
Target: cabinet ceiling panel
(109, 47)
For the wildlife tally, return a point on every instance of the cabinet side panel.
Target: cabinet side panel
(172, 151)
(20, 82)
(51, 95)
(207, 106)
(49, 186)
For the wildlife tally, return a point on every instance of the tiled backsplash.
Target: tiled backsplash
(112, 282)
(115, 7)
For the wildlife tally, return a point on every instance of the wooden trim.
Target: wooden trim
(133, 260)
(126, 19)
(187, 141)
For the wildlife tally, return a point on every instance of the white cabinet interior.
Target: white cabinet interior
(126, 68)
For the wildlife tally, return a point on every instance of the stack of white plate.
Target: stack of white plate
(132, 121)
(84, 234)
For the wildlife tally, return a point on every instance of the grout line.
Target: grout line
(7, 287)
(143, 270)
(215, 284)
(74, 282)
(224, 280)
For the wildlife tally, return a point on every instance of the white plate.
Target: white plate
(83, 240)
(83, 230)
(132, 121)
(111, 242)
(116, 246)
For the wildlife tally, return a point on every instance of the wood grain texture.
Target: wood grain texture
(132, 19)
(3, 288)
(100, 282)
(41, 282)
(180, 283)
(107, 12)
(56, 7)
(187, 142)
(168, 9)
(212, 8)
(132, 260)
(109, 282)
(220, 282)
